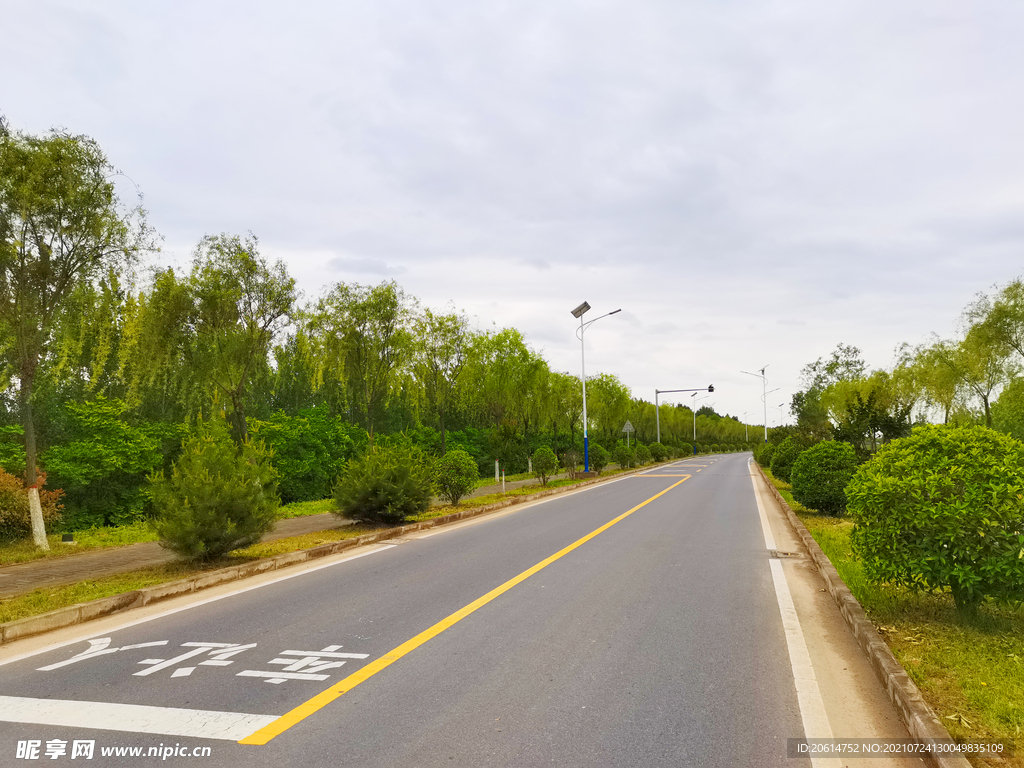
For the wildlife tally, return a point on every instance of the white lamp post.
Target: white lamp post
(579, 312)
(764, 386)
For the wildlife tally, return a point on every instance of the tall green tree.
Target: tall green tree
(364, 337)
(61, 225)
(442, 349)
(213, 331)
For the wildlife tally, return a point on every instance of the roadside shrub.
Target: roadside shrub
(763, 454)
(658, 452)
(783, 457)
(385, 485)
(623, 456)
(820, 475)
(455, 475)
(643, 454)
(598, 458)
(544, 463)
(943, 508)
(219, 497)
(15, 519)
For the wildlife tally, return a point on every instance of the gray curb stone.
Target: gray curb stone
(905, 696)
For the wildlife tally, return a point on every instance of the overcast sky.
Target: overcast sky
(751, 182)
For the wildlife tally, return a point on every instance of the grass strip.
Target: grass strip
(969, 669)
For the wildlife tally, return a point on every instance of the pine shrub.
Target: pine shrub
(455, 475)
(385, 485)
(219, 497)
(659, 452)
(599, 458)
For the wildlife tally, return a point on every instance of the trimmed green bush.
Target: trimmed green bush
(820, 475)
(385, 485)
(763, 454)
(544, 463)
(643, 454)
(455, 475)
(218, 498)
(783, 457)
(624, 456)
(659, 452)
(598, 458)
(943, 507)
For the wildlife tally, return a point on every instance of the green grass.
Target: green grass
(969, 669)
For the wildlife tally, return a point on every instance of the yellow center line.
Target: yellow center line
(321, 700)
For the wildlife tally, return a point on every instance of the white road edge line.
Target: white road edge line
(808, 695)
(102, 715)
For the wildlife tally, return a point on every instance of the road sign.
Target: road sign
(628, 428)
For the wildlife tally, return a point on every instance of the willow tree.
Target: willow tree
(213, 331)
(363, 337)
(442, 347)
(61, 225)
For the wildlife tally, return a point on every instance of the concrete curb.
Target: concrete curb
(905, 696)
(105, 606)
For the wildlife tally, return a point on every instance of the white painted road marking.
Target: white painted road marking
(808, 695)
(166, 721)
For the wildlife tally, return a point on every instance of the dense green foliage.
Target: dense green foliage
(103, 466)
(783, 456)
(309, 450)
(545, 463)
(385, 485)
(820, 475)
(219, 496)
(455, 475)
(658, 451)
(943, 508)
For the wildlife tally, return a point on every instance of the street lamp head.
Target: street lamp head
(711, 387)
(615, 312)
(578, 312)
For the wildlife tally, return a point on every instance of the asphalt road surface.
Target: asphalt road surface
(655, 641)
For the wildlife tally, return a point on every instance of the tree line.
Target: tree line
(107, 363)
(973, 378)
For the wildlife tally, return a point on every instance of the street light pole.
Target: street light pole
(764, 395)
(657, 419)
(579, 312)
(693, 408)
